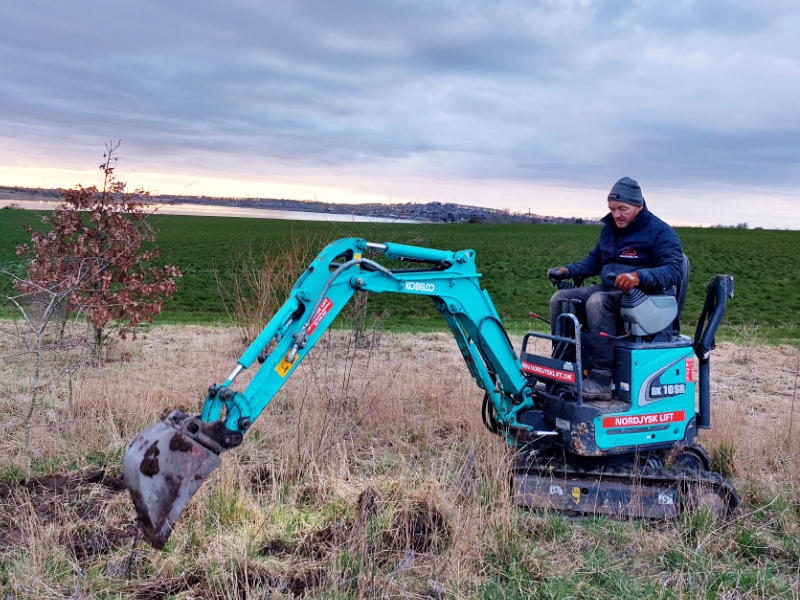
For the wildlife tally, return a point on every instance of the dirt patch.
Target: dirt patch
(261, 478)
(276, 548)
(366, 507)
(321, 543)
(73, 502)
(317, 545)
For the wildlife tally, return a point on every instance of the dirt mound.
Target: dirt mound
(420, 527)
(249, 578)
(417, 526)
(73, 502)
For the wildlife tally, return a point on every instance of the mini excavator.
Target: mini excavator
(633, 456)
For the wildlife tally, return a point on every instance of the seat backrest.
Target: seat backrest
(680, 292)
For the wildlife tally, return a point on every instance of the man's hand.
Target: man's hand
(558, 273)
(627, 281)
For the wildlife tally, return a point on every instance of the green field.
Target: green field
(371, 475)
(512, 258)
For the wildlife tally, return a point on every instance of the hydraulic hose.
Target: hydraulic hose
(300, 338)
(487, 414)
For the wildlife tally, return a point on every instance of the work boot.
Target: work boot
(598, 385)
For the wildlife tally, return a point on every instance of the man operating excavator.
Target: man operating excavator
(636, 249)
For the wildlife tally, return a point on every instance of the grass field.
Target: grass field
(369, 476)
(512, 258)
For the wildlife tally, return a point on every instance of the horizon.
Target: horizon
(243, 211)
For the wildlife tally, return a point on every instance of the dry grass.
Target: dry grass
(370, 475)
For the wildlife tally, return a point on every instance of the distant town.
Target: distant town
(435, 212)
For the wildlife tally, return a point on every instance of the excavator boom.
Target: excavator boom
(634, 455)
(166, 463)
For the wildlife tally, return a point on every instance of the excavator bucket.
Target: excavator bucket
(163, 468)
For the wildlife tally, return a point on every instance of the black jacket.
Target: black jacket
(648, 246)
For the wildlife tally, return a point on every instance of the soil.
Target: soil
(163, 587)
(80, 496)
(759, 380)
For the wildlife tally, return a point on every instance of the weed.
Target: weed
(696, 527)
(723, 459)
(549, 527)
(11, 473)
(746, 340)
(750, 544)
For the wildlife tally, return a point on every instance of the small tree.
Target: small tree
(99, 247)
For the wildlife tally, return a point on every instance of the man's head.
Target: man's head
(625, 201)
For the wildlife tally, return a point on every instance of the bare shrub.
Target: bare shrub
(261, 281)
(40, 345)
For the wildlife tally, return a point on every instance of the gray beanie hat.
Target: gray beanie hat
(626, 190)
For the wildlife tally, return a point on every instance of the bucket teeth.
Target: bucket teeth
(163, 468)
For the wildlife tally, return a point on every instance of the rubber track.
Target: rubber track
(659, 478)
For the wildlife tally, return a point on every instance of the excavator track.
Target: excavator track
(632, 491)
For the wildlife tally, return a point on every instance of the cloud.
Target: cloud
(547, 92)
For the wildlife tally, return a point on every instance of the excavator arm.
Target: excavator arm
(167, 462)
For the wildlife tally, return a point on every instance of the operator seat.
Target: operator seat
(662, 309)
(656, 317)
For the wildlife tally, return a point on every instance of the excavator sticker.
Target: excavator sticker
(653, 389)
(556, 374)
(674, 416)
(667, 391)
(284, 366)
(419, 286)
(324, 307)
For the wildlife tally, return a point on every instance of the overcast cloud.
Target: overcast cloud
(515, 104)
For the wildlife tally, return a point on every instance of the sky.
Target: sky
(523, 105)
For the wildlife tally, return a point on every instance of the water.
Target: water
(213, 210)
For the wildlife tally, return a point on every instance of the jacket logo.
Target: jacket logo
(628, 253)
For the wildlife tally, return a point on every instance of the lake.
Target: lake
(213, 210)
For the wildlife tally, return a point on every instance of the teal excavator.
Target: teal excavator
(635, 455)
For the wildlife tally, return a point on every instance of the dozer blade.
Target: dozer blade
(163, 468)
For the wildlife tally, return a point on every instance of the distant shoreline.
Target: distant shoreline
(212, 210)
(408, 212)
